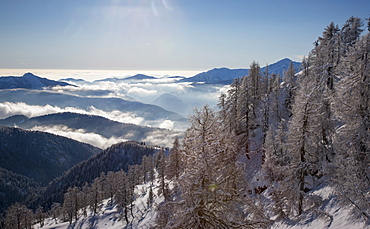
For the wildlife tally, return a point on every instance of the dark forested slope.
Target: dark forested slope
(38, 155)
(115, 158)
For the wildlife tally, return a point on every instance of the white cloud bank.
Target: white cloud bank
(167, 124)
(157, 137)
(8, 109)
(80, 135)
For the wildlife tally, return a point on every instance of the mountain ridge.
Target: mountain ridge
(28, 81)
(225, 75)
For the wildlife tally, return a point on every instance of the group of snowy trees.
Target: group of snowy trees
(118, 187)
(327, 135)
(310, 128)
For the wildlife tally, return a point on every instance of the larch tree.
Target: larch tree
(213, 192)
(352, 141)
(303, 143)
(175, 163)
(18, 216)
(274, 169)
(289, 88)
(122, 195)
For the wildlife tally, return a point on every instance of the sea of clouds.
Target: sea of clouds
(145, 91)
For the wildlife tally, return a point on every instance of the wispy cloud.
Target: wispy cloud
(8, 109)
(80, 135)
(156, 138)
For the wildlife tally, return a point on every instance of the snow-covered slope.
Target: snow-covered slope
(336, 217)
(110, 218)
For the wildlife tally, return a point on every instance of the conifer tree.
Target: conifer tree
(213, 192)
(303, 143)
(40, 215)
(122, 195)
(18, 216)
(352, 142)
(175, 164)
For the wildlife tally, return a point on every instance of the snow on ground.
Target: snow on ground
(110, 218)
(341, 216)
(144, 217)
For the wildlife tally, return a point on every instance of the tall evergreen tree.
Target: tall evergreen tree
(212, 183)
(175, 162)
(352, 142)
(303, 143)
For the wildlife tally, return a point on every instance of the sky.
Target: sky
(163, 34)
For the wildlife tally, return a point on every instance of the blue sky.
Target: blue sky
(163, 34)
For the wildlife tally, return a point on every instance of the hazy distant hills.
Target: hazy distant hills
(171, 103)
(226, 75)
(38, 155)
(136, 77)
(213, 76)
(90, 124)
(28, 81)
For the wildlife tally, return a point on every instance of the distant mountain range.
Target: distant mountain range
(214, 76)
(171, 103)
(226, 75)
(28, 81)
(136, 77)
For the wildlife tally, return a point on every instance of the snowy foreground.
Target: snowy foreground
(144, 216)
(337, 218)
(108, 217)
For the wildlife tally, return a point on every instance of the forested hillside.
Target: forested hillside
(115, 158)
(38, 155)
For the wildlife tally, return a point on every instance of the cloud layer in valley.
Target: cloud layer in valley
(8, 109)
(80, 135)
(146, 91)
(156, 138)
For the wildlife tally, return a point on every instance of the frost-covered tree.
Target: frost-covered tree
(229, 106)
(351, 31)
(122, 195)
(71, 205)
(352, 142)
(174, 164)
(55, 211)
(95, 195)
(40, 216)
(18, 216)
(213, 193)
(303, 143)
(290, 87)
(254, 87)
(161, 168)
(274, 168)
(275, 104)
